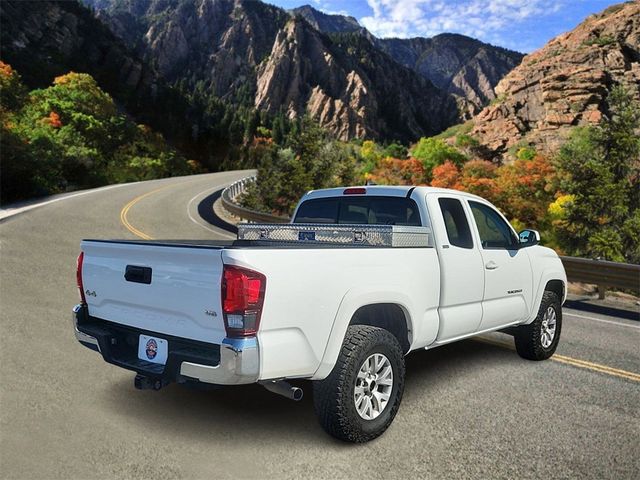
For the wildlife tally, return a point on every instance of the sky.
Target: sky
(522, 25)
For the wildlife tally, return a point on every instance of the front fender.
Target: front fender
(547, 266)
(350, 303)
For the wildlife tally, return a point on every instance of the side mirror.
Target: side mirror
(528, 238)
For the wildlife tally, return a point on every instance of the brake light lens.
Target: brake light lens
(354, 191)
(242, 299)
(79, 262)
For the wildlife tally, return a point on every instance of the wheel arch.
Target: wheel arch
(556, 286)
(389, 316)
(384, 309)
(553, 281)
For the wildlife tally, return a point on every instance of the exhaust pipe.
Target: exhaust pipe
(285, 389)
(147, 383)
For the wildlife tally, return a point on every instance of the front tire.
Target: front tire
(360, 398)
(539, 339)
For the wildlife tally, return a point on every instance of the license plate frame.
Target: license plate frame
(153, 349)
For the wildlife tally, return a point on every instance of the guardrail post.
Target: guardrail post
(602, 290)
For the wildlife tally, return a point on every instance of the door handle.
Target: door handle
(134, 273)
(491, 265)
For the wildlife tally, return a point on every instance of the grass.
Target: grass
(600, 41)
(455, 130)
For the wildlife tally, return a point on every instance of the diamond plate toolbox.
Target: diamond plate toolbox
(311, 233)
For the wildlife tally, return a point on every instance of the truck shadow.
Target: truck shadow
(249, 412)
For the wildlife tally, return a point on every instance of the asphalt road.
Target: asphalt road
(473, 409)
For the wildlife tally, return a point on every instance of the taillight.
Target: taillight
(242, 299)
(79, 277)
(355, 191)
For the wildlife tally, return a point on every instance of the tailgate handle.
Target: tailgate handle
(134, 273)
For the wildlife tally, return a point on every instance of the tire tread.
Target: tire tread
(330, 395)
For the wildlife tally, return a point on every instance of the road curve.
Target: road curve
(471, 409)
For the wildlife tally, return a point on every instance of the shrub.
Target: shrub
(433, 152)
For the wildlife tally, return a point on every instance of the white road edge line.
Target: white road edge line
(602, 320)
(218, 231)
(10, 212)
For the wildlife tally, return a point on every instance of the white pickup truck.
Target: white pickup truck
(360, 278)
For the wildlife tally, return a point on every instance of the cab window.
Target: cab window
(494, 231)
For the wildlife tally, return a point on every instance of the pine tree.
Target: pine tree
(601, 170)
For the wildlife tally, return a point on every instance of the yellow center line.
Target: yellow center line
(127, 207)
(575, 362)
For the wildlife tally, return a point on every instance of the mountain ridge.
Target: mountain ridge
(164, 36)
(458, 64)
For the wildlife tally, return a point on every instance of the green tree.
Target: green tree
(312, 160)
(396, 150)
(72, 135)
(251, 127)
(433, 152)
(600, 169)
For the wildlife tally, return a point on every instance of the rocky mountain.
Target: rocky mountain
(328, 23)
(218, 42)
(214, 60)
(46, 39)
(252, 53)
(459, 65)
(42, 40)
(349, 86)
(564, 84)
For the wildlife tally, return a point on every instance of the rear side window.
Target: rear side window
(371, 210)
(455, 222)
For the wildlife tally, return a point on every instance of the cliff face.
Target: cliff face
(457, 64)
(45, 39)
(327, 23)
(349, 86)
(565, 83)
(217, 42)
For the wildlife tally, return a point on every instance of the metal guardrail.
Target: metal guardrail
(602, 273)
(229, 202)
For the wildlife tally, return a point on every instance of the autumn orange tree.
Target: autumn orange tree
(523, 189)
(526, 188)
(395, 171)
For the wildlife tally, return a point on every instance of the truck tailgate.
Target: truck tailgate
(169, 289)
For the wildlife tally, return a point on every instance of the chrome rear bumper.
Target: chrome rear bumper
(239, 359)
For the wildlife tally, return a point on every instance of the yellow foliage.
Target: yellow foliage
(66, 78)
(557, 209)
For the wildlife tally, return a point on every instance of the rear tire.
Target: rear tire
(350, 403)
(539, 339)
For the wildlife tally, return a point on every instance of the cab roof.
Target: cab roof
(384, 191)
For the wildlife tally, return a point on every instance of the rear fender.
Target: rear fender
(352, 301)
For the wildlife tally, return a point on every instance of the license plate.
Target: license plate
(153, 349)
